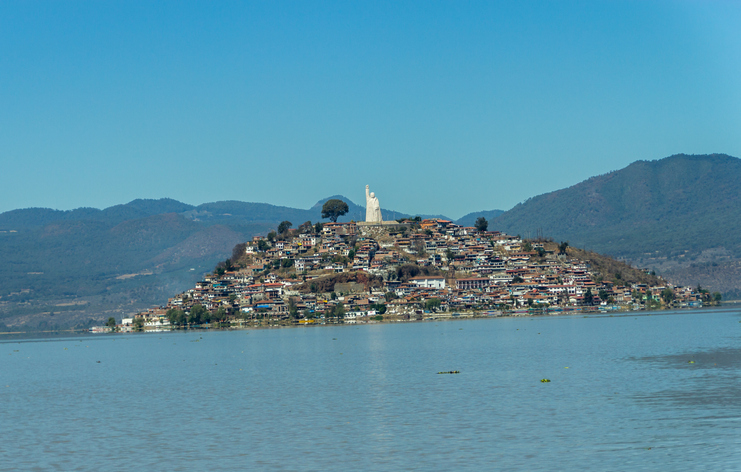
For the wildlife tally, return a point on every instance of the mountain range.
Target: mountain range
(77, 267)
(679, 216)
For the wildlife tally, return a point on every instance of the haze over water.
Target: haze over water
(623, 395)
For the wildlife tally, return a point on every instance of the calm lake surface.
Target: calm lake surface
(623, 396)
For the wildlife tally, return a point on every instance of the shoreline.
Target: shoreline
(447, 316)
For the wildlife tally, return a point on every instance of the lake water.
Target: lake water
(623, 396)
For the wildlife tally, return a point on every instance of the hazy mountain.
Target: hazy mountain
(680, 215)
(667, 214)
(38, 217)
(470, 219)
(77, 267)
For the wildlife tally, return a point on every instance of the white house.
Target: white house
(428, 281)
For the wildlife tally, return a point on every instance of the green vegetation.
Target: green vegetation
(283, 227)
(379, 307)
(432, 304)
(333, 209)
(481, 224)
(176, 317)
(198, 315)
(589, 297)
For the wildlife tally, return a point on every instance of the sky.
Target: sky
(441, 107)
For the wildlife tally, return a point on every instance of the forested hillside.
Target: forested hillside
(668, 214)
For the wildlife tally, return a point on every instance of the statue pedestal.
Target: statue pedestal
(381, 223)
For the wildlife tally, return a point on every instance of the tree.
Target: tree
(223, 267)
(379, 307)
(588, 297)
(284, 226)
(292, 309)
(717, 297)
(517, 279)
(339, 312)
(176, 316)
(667, 295)
(111, 323)
(305, 228)
(449, 255)
(390, 296)
(138, 323)
(238, 251)
(562, 247)
(198, 315)
(432, 304)
(262, 245)
(333, 209)
(272, 235)
(481, 224)
(220, 315)
(318, 227)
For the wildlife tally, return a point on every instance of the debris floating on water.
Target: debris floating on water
(690, 362)
(451, 372)
(545, 380)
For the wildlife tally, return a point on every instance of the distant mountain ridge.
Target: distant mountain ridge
(666, 214)
(470, 219)
(124, 257)
(680, 215)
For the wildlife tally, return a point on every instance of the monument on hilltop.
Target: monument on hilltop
(372, 207)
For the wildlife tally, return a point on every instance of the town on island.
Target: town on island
(411, 269)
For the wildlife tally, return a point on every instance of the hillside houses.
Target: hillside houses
(406, 271)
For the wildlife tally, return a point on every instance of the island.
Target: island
(408, 270)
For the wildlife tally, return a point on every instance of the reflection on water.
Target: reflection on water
(721, 358)
(623, 396)
(710, 379)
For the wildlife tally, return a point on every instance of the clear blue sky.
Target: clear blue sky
(442, 107)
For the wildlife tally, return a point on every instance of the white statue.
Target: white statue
(372, 207)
